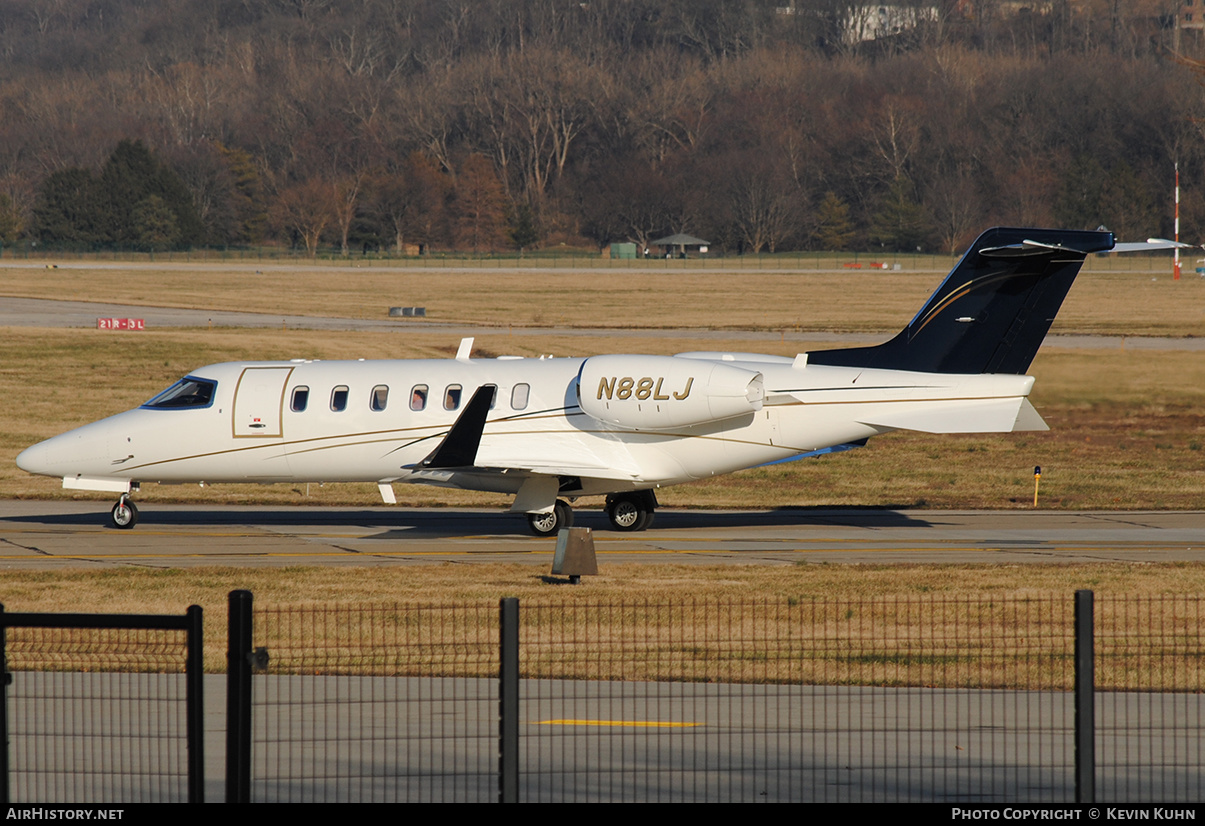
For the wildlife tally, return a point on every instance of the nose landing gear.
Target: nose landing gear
(124, 514)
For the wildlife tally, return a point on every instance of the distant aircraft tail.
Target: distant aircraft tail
(992, 311)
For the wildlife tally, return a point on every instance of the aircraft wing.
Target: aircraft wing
(519, 470)
(464, 451)
(553, 454)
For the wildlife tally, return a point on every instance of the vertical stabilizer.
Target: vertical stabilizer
(992, 311)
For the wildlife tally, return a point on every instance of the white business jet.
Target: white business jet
(620, 426)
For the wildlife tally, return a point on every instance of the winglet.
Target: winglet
(466, 347)
(459, 447)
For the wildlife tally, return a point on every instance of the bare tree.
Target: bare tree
(305, 210)
(479, 206)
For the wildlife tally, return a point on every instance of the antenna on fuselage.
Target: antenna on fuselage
(466, 347)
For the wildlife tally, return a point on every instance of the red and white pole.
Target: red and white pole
(1176, 266)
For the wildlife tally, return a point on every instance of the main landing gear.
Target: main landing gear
(124, 514)
(548, 524)
(631, 511)
(626, 511)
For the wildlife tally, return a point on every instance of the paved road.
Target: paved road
(357, 739)
(48, 535)
(31, 312)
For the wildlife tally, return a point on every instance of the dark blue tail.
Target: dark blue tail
(992, 311)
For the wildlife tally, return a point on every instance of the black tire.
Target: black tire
(549, 524)
(628, 512)
(565, 513)
(124, 515)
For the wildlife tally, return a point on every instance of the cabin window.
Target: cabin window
(452, 396)
(339, 398)
(187, 393)
(418, 397)
(301, 397)
(493, 394)
(380, 397)
(518, 396)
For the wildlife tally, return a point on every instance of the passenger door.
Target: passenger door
(259, 402)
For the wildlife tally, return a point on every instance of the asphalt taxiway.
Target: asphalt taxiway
(50, 535)
(37, 312)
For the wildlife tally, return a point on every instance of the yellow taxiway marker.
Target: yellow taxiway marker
(627, 723)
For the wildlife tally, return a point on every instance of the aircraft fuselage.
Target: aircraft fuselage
(375, 421)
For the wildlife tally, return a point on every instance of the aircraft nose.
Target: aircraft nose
(83, 450)
(36, 459)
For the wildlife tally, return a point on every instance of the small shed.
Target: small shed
(677, 246)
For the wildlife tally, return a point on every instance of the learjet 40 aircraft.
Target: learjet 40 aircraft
(619, 426)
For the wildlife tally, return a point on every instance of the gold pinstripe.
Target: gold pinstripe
(358, 439)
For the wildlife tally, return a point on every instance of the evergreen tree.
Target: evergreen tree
(523, 230)
(154, 225)
(836, 229)
(10, 220)
(67, 210)
(248, 196)
(901, 223)
(130, 176)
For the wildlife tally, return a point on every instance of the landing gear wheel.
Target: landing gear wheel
(548, 524)
(124, 514)
(629, 512)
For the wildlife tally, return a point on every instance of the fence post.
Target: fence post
(508, 703)
(194, 701)
(4, 798)
(1085, 700)
(238, 699)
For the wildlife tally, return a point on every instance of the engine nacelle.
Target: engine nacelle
(663, 392)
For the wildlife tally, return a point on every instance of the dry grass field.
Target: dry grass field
(819, 624)
(1139, 300)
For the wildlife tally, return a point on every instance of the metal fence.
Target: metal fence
(989, 699)
(580, 259)
(374, 703)
(98, 708)
(1150, 679)
(911, 699)
(916, 699)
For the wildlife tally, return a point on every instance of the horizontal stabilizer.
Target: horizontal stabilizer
(998, 415)
(1029, 419)
(1150, 245)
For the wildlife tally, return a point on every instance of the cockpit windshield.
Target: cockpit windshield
(188, 392)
